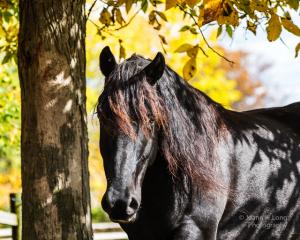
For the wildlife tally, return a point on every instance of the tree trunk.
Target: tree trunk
(55, 180)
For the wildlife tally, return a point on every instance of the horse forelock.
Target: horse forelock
(130, 101)
(189, 121)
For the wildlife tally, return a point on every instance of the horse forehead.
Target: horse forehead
(135, 62)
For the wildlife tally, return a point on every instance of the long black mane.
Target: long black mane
(190, 123)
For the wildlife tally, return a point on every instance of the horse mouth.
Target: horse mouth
(129, 219)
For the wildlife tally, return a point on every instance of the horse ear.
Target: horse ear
(107, 61)
(155, 69)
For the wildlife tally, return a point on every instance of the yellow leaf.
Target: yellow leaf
(128, 5)
(201, 17)
(120, 2)
(293, 4)
(192, 3)
(274, 28)
(152, 17)
(105, 17)
(251, 26)
(190, 69)
(184, 47)
(259, 5)
(119, 17)
(211, 11)
(297, 49)
(122, 52)
(163, 39)
(229, 17)
(171, 4)
(193, 52)
(290, 26)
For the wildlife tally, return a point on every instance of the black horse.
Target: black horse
(181, 167)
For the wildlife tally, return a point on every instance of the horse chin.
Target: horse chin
(130, 219)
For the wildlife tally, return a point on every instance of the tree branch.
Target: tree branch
(203, 36)
(91, 8)
(130, 20)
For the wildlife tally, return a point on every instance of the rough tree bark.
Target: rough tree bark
(51, 58)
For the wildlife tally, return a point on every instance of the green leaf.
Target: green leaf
(219, 32)
(6, 58)
(193, 30)
(229, 31)
(162, 16)
(184, 28)
(144, 5)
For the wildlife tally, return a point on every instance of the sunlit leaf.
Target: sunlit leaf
(171, 4)
(119, 16)
(219, 32)
(190, 69)
(293, 4)
(120, 2)
(290, 26)
(193, 30)
(184, 47)
(192, 3)
(122, 53)
(192, 53)
(211, 10)
(229, 17)
(105, 17)
(259, 5)
(184, 28)
(297, 49)
(163, 39)
(144, 5)
(251, 26)
(274, 27)
(229, 30)
(128, 5)
(162, 16)
(152, 17)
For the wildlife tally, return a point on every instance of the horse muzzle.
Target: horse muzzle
(121, 210)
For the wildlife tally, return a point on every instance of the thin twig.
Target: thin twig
(281, 39)
(130, 20)
(203, 37)
(91, 8)
(103, 29)
(202, 50)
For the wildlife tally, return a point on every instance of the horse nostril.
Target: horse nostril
(134, 204)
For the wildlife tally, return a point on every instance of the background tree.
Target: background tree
(51, 60)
